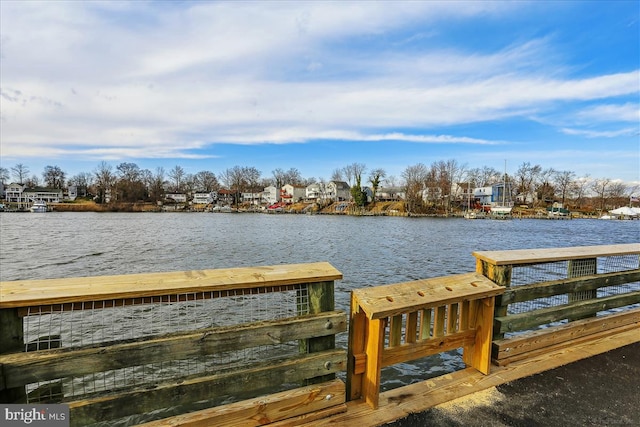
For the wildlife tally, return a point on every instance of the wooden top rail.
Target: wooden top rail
(389, 300)
(27, 293)
(536, 256)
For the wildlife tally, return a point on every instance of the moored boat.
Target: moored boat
(38, 207)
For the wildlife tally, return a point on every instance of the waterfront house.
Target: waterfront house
(13, 193)
(314, 192)
(493, 195)
(48, 195)
(338, 191)
(204, 198)
(226, 197)
(270, 195)
(251, 198)
(390, 194)
(176, 197)
(293, 193)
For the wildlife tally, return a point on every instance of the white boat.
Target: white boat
(38, 207)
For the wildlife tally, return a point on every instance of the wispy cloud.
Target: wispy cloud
(155, 80)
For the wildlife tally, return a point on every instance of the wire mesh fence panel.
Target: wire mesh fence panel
(110, 322)
(553, 271)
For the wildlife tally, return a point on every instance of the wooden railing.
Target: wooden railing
(293, 342)
(558, 289)
(115, 347)
(406, 321)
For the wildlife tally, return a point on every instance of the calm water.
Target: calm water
(367, 250)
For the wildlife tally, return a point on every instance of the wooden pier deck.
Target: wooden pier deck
(416, 398)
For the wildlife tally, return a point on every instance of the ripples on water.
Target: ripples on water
(368, 251)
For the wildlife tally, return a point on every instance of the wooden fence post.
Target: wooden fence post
(11, 341)
(501, 275)
(321, 299)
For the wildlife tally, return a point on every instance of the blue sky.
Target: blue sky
(319, 85)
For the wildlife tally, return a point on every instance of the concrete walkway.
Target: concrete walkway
(602, 390)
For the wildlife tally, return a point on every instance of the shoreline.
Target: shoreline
(379, 209)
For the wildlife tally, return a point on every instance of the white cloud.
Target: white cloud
(139, 79)
(602, 134)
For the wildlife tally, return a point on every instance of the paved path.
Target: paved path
(602, 390)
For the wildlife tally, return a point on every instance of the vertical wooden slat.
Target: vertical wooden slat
(464, 316)
(452, 318)
(357, 341)
(472, 313)
(438, 321)
(412, 327)
(395, 331)
(425, 324)
(374, 348)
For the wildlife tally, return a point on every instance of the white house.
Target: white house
(202, 198)
(293, 193)
(390, 194)
(314, 191)
(49, 195)
(338, 191)
(251, 198)
(177, 197)
(13, 193)
(270, 195)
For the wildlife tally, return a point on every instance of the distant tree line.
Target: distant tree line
(425, 187)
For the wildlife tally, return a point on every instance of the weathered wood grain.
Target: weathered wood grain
(26, 293)
(257, 378)
(537, 256)
(30, 367)
(529, 320)
(563, 286)
(567, 334)
(390, 300)
(269, 409)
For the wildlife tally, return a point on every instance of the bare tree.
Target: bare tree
(131, 186)
(563, 183)
(156, 184)
(618, 193)
(4, 175)
(206, 181)
(580, 188)
(526, 177)
(414, 178)
(53, 177)
(353, 171)
(83, 179)
(32, 182)
(600, 188)
(104, 179)
(20, 172)
(177, 175)
(545, 189)
(336, 175)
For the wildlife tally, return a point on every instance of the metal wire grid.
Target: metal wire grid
(530, 274)
(90, 324)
